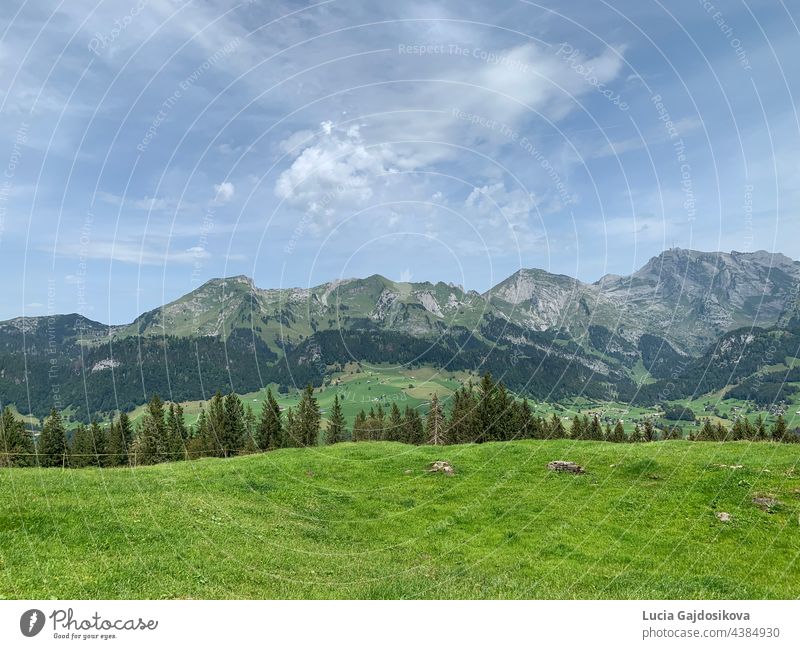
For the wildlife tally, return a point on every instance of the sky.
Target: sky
(147, 146)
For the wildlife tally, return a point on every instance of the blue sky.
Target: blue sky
(150, 145)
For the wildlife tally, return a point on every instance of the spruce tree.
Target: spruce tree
(270, 428)
(576, 430)
(117, 447)
(16, 444)
(485, 414)
(415, 431)
(216, 424)
(556, 428)
(80, 447)
(760, 428)
(648, 431)
(619, 432)
(233, 430)
(360, 427)
(52, 449)
(394, 426)
(595, 430)
(309, 417)
(526, 422)
(336, 431)
(99, 444)
(173, 436)
(435, 423)
(780, 430)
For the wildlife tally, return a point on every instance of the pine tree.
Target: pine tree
(379, 425)
(576, 429)
(173, 438)
(504, 423)
(619, 432)
(485, 414)
(526, 422)
(707, 432)
(780, 430)
(309, 417)
(269, 434)
(16, 444)
(52, 449)
(461, 427)
(435, 423)
(556, 428)
(648, 432)
(233, 430)
(394, 427)
(216, 424)
(117, 448)
(80, 447)
(414, 429)
(336, 424)
(99, 443)
(595, 430)
(761, 428)
(292, 433)
(201, 443)
(360, 427)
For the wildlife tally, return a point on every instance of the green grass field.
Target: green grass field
(367, 521)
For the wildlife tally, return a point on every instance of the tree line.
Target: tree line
(227, 427)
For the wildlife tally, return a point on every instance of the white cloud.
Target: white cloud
(337, 170)
(224, 192)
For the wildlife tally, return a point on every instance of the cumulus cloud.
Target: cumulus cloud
(224, 192)
(337, 170)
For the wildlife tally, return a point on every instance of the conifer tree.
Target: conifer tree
(556, 428)
(309, 417)
(780, 430)
(80, 447)
(173, 438)
(648, 431)
(485, 414)
(415, 431)
(761, 428)
(576, 429)
(505, 420)
(360, 427)
(52, 449)
(707, 432)
(435, 423)
(336, 424)
(233, 430)
(270, 426)
(526, 422)
(619, 432)
(595, 429)
(216, 423)
(250, 427)
(99, 444)
(117, 448)
(394, 426)
(461, 427)
(16, 444)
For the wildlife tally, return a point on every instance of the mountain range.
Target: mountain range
(549, 336)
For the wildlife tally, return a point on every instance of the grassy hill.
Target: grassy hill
(367, 521)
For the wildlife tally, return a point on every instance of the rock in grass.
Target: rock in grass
(766, 503)
(440, 466)
(724, 517)
(563, 465)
